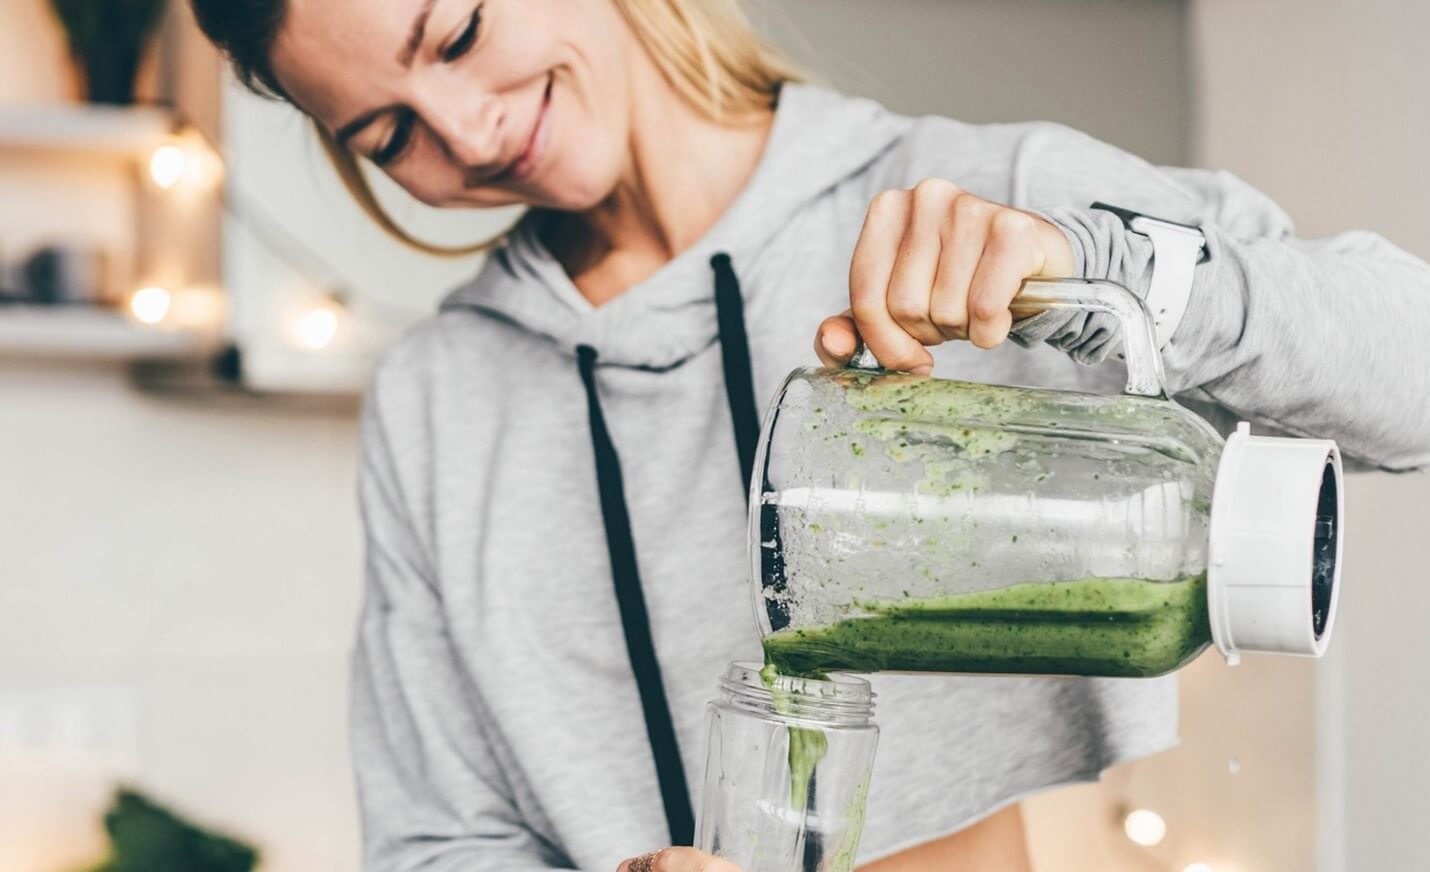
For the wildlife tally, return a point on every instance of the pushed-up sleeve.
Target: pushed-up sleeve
(1321, 338)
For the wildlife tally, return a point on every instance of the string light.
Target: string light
(150, 305)
(1145, 827)
(185, 162)
(167, 165)
(318, 327)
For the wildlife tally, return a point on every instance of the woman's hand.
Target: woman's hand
(937, 263)
(677, 860)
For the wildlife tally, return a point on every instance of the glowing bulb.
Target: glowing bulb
(317, 328)
(150, 305)
(1198, 867)
(167, 165)
(1145, 827)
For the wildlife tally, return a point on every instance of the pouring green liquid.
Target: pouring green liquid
(807, 748)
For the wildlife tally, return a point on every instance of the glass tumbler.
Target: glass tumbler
(787, 770)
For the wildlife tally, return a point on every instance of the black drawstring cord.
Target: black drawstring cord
(735, 356)
(744, 414)
(630, 599)
(635, 619)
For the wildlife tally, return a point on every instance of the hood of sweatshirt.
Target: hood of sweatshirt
(818, 140)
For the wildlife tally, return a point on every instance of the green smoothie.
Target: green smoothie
(807, 746)
(1122, 627)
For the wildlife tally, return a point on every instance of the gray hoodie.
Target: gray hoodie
(497, 724)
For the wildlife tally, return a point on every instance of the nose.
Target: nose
(470, 127)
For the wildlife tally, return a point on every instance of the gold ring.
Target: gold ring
(645, 862)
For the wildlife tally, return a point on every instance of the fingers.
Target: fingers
(936, 263)
(836, 339)
(917, 261)
(1009, 256)
(963, 244)
(870, 272)
(677, 860)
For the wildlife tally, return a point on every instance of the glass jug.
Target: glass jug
(909, 523)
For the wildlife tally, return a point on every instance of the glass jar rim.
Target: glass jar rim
(838, 699)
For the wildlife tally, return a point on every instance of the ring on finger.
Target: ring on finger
(645, 862)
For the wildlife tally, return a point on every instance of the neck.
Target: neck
(684, 172)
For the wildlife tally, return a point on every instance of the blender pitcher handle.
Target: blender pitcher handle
(1145, 377)
(1139, 339)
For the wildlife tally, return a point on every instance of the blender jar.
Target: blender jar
(917, 524)
(787, 769)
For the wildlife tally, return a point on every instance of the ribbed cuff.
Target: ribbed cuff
(1102, 249)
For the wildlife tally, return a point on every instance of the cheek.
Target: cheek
(428, 177)
(587, 177)
(592, 148)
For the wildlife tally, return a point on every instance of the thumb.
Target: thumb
(836, 339)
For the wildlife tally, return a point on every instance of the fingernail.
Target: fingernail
(922, 370)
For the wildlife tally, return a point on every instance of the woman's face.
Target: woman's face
(469, 102)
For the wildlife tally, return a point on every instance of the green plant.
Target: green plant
(88, 22)
(145, 837)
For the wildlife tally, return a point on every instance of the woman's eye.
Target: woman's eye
(396, 144)
(466, 39)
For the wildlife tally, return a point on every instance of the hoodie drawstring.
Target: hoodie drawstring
(740, 391)
(635, 620)
(735, 357)
(630, 599)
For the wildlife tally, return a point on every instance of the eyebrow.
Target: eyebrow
(414, 39)
(405, 58)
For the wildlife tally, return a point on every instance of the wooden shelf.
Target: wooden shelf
(86, 333)
(117, 131)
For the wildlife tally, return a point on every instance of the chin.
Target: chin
(576, 195)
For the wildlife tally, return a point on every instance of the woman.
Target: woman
(554, 467)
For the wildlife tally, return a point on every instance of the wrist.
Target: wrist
(1059, 258)
(1064, 257)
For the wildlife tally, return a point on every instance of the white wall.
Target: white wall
(1322, 103)
(178, 585)
(1114, 68)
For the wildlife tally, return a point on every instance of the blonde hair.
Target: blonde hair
(706, 49)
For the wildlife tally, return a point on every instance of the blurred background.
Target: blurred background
(189, 307)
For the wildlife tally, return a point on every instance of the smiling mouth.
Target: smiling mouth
(522, 167)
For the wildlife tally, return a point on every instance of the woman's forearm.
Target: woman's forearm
(1324, 338)
(997, 843)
